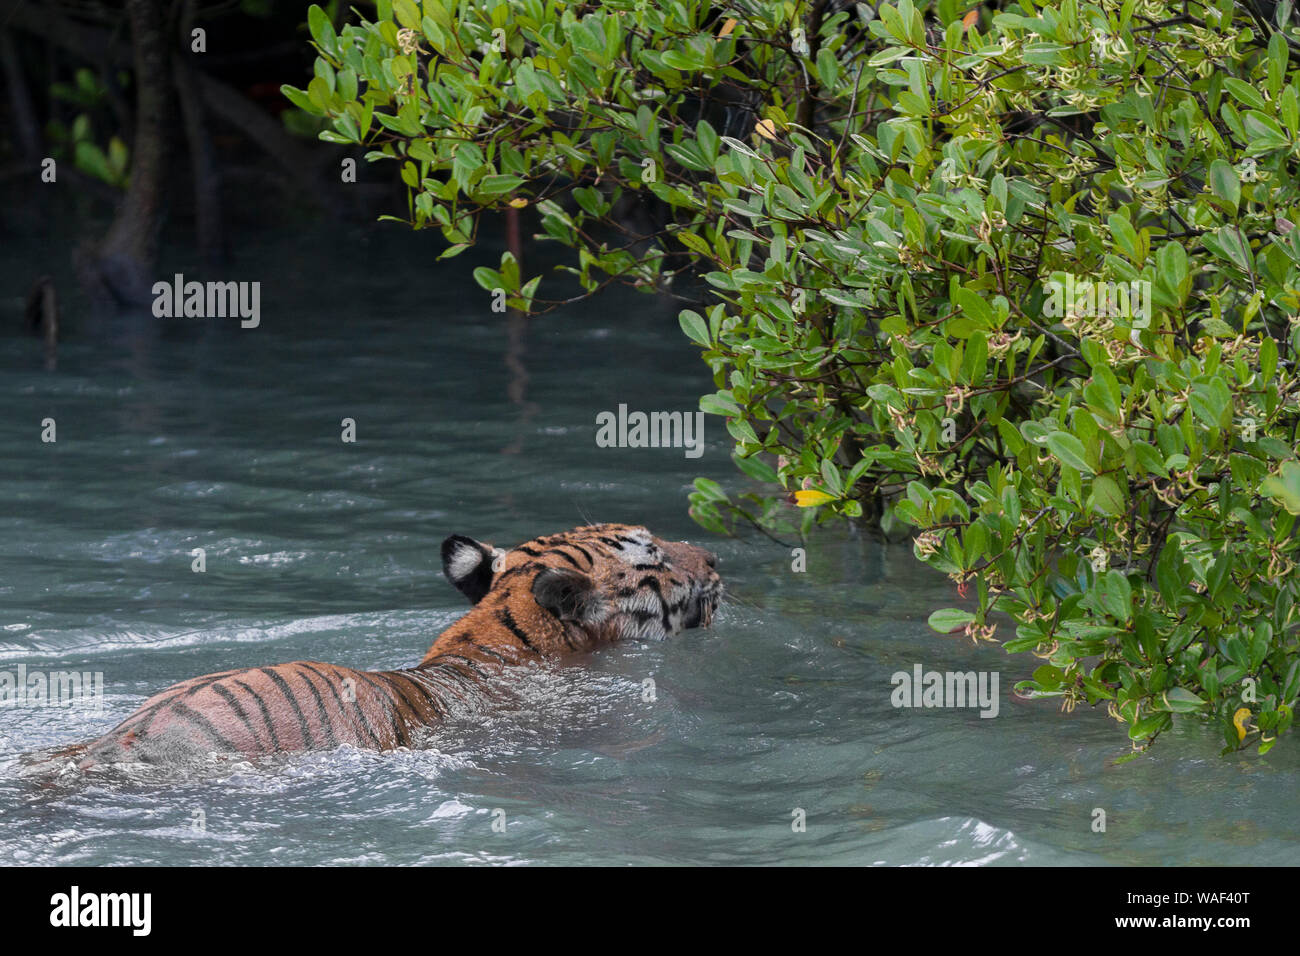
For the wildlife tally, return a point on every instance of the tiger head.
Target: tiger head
(589, 586)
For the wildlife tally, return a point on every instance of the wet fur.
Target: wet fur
(552, 596)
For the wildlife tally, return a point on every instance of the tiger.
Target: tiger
(546, 599)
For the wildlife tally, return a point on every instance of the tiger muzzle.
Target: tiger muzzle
(700, 565)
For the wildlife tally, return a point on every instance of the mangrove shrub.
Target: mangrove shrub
(1020, 278)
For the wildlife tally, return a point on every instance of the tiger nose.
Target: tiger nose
(710, 559)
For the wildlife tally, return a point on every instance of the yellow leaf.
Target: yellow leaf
(1241, 720)
(727, 28)
(811, 499)
(766, 128)
(519, 203)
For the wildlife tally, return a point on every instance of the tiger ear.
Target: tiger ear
(570, 595)
(468, 565)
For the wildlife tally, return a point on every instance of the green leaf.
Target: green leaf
(974, 307)
(1125, 236)
(1116, 595)
(1180, 700)
(488, 279)
(1246, 94)
(1049, 677)
(951, 619)
(1284, 488)
(756, 468)
(322, 30)
(91, 159)
(696, 329)
(300, 99)
(1107, 497)
(1225, 184)
(408, 14)
(1069, 451)
(715, 404)
(497, 185)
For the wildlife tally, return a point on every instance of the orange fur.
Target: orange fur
(553, 596)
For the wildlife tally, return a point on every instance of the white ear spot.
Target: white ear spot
(463, 561)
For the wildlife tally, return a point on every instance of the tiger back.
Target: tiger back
(548, 598)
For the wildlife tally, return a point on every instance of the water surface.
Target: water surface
(184, 434)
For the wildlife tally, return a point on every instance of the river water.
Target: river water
(181, 434)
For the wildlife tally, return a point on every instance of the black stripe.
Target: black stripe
(508, 620)
(356, 703)
(149, 713)
(652, 584)
(449, 669)
(285, 689)
(385, 692)
(205, 725)
(394, 688)
(522, 568)
(488, 650)
(469, 662)
(230, 699)
(266, 715)
(326, 724)
(425, 693)
(209, 679)
(566, 557)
